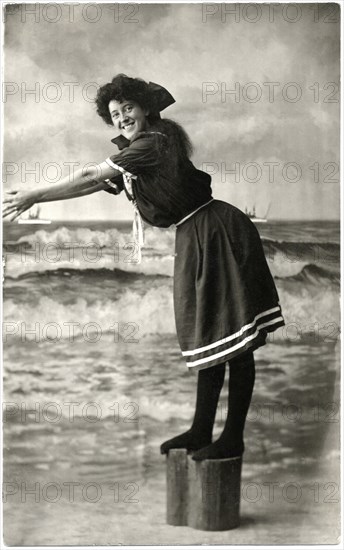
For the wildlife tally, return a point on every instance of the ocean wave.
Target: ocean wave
(163, 239)
(139, 314)
(160, 267)
(87, 274)
(83, 248)
(293, 252)
(151, 313)
(313, 274)
(78, 237)
(86, 260)
(102, 262)
(284, 264)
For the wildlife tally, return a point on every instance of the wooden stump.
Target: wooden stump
(204, 495)
(177, 487)
(214, 494)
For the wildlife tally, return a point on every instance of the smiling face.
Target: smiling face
(128, 117)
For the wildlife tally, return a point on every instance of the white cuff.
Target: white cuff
(117, 167)
(114, 186)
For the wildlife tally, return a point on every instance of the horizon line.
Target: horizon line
(129, 220)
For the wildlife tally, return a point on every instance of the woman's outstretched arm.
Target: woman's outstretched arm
(82, 182)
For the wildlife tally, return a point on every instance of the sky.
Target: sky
(272, 143)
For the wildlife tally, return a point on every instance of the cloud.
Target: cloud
(181, 47)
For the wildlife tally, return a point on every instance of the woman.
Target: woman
(224, 296)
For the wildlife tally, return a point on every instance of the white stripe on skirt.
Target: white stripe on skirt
(233, 348)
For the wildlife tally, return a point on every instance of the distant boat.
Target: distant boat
(254, 218)
(33, 216)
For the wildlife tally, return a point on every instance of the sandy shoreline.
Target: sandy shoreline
(276, 508)
(290, 480)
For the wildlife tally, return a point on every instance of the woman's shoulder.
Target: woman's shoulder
(149, 140)
(151, 135)
(163, 129)
(166, 138)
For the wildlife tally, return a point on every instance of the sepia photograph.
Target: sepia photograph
(171, 233)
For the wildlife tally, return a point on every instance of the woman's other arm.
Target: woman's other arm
(82, 182)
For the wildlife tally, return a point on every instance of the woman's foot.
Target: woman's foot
(188, 440)
(219, 449)
(241, 381)
(209, 384)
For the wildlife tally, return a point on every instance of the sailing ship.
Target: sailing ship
(32, 216)
(253, 217)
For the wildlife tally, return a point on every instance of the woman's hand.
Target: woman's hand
(82, 182)
(17, 202)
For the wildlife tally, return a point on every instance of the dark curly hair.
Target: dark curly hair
(123, 87)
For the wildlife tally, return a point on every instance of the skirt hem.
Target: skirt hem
(220, 354)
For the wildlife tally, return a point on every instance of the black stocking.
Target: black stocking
(241, 382)
(210, 382)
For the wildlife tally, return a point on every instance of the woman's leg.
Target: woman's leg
(210, 382)
(241, 382)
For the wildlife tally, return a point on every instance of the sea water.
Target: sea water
(94, 380)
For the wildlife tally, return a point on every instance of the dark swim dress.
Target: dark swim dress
(225, 299)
